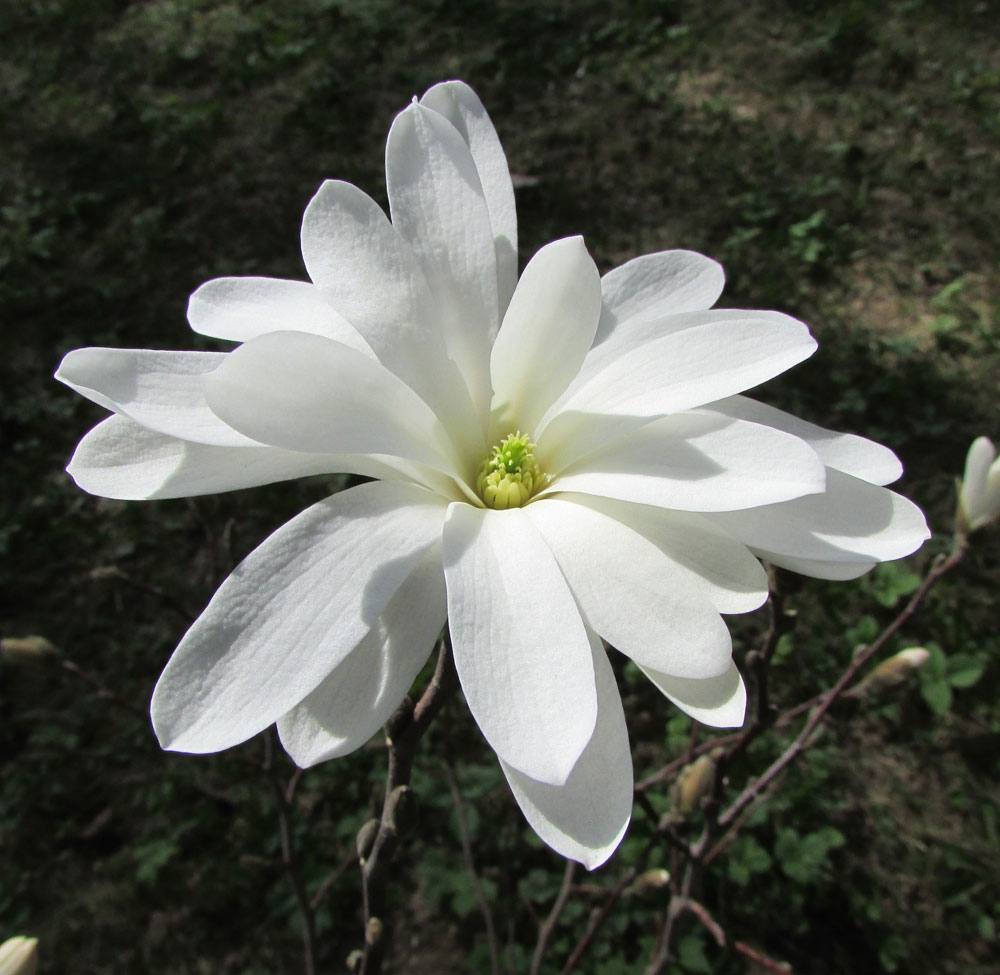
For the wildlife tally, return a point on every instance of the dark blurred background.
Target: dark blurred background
(841, 160)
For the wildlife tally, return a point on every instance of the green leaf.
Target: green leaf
(964, 669)
(891, 582)
(937, 694)
(805, 859)
(692, 957)
(746, 858)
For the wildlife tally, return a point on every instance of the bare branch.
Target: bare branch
(403, 732)
(549, 924)
(470, 866)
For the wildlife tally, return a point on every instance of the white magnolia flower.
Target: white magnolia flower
(979, 496)
(561, 459)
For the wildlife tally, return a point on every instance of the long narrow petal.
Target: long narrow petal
(630, 593)
(239, 309)
(720, 702)
(690, 367)
(586, 817)
(461, 106)
(696, 462)
(437, 204)
(358, 697)
(656, 286)
(817, 569)
(304, 392)
(121, 459)
(369, 274)
(291, 612)
(722, 568)
(845, 452)
(164, 391)
(521, 650)
(546, 333)
(852, 521)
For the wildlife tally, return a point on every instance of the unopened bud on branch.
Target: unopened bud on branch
(891, 673)
(692, 785)
(27, 649)
(365, 839)
(648, 882)
(979, 493)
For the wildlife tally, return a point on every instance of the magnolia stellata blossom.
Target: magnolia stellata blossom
(562, 461)
(979, 495)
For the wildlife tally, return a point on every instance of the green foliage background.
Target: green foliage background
(841, 159)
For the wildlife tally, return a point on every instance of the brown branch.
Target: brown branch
(403, 732)
(661, 951)
(940, 566)
(470, 866)
(549, 924)
(338, 871)
(102, 689)
(284, 796)
(722, 940)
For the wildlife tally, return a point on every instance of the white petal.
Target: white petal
(304, 392)
(981, 455)
(656, 286)
(164, 391)
(722, 569)
(239, 309)
(290, 613)
(689, 367)
(696, 462)
(720, 702)
(461, 106)
(120, 459)
(816, 569)
(852, 521)
(437, 204)
(521, 650)
(630, 593)
(845, 452)
(991, 495)
(546, 333)
(586, 817)
(369, 274)
(359, 696)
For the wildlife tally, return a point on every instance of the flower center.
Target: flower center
(508, 476)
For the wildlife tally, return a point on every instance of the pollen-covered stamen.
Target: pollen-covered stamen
(509, 475)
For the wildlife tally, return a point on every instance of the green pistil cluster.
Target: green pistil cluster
(509, 475)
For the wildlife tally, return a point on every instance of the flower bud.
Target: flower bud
(648, 882)
(979, 493)
(19, 956)
(891, 672)
(693, 783)
(105, 572)
(374, 931)
(365, 839)
(27, 649)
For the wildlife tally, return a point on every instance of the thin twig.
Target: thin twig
(283, 794)
(941, 565)
(662, 949)
(338, 871)
(102, 689)
(470, 866)
(403, 732)
(722, 940)
(549, 924)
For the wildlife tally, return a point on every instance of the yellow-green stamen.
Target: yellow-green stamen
(509, 475)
